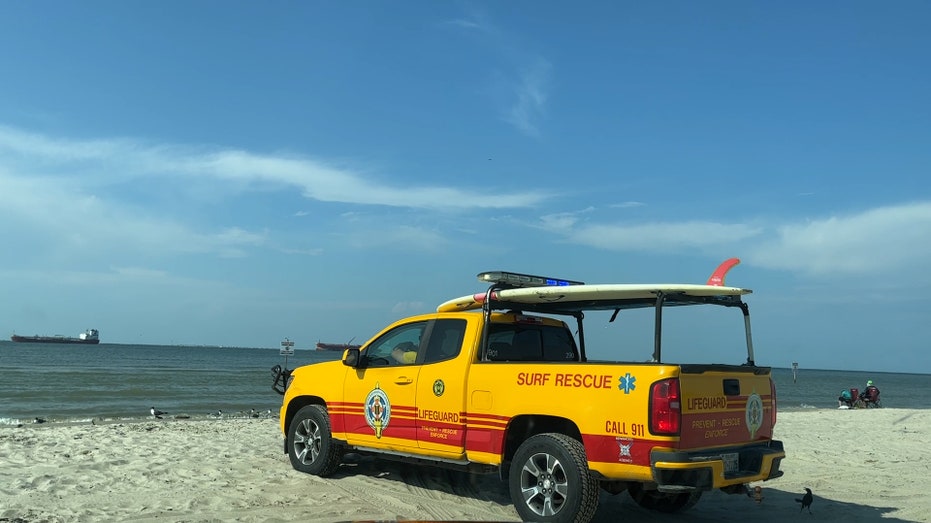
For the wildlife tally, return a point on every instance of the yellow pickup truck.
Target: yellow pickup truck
(500, 381)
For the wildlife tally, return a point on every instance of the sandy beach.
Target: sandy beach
(862, 465)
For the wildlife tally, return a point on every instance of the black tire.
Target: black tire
(549, 480)
(663, 501)
(310, 442)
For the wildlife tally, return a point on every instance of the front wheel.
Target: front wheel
(549, 480)
(310, 442)
(662, 501)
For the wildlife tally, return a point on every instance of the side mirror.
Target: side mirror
(351, 357)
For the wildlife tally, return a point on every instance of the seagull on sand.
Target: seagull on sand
(157, 413)
(806, 500)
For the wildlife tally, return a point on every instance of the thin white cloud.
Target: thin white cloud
(874, 241)
(409, 307)
(141, 273)
(530, 97)
(559, 221)
(521, 78)
(83, 197)
(113, 277)
(477, 21)
(305, 252)
(235, 235)
(230, 241)
(122, 160)
(84, 222)
(563, 221)
(627, 205)
(33, 145)
(468, 24)
(661, 237)
(420, 239)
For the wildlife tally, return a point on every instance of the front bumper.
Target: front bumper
(681, 471)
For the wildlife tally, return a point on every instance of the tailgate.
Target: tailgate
(725, 405)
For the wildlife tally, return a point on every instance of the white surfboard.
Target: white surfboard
(563, 293)
(575, 293)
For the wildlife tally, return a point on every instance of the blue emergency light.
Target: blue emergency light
(515, 279)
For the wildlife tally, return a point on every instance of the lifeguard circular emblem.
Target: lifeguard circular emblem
(377, 410)
(754, 414)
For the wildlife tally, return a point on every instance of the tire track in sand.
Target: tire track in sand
(405, 491)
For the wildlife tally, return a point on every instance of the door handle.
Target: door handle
(403, 380)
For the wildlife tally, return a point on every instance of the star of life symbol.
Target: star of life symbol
(624, 445)
(627, 383)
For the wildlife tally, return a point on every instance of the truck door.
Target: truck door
(379, 395)
(441, 388)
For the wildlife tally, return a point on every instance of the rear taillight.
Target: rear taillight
(772, 388)
(665, 407)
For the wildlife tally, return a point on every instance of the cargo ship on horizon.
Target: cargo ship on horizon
(88, 337)
(335, 346)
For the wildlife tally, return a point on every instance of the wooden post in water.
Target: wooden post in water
(794, 371)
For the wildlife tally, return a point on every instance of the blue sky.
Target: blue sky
(232, 173)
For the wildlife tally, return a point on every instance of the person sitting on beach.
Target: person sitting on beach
(404, 352)
(845, 398)
(871, 394)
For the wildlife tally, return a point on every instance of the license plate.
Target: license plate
(731, 461)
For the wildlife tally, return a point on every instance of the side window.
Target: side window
(514, 343)
(445, 340)
(559, 345)
(399, 346)
(499, 343)
(531, 343)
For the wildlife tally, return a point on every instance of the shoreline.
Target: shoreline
(236, 470)
(6, 423)
(99, 420)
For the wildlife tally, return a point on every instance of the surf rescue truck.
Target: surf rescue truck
(496, 382)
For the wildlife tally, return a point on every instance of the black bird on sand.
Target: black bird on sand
(157, 413)
(806, 500)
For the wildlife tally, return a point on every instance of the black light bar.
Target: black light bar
(515, 279)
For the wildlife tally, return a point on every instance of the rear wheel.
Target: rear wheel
(663, 501)
(549, 480)
(310, 442)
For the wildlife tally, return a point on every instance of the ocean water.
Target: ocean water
(819, 389)
(73, 383)
(61, 383)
